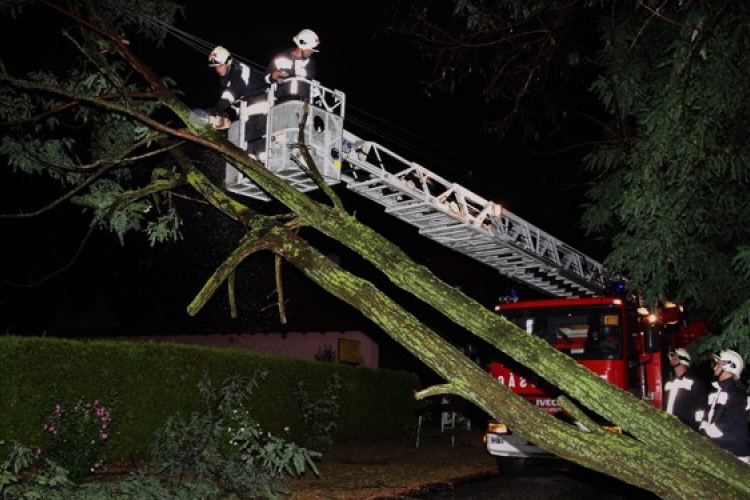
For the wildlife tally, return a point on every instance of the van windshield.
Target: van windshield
(583, 332)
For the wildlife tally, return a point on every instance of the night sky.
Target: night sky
(113, 289)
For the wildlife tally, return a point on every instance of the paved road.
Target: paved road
(543, 482)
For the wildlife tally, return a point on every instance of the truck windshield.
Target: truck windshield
(583, 332)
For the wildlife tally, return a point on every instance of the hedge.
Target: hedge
(146, 382)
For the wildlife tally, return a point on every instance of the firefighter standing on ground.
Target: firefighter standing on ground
(685, 394)
(727, 416)
(294, 62)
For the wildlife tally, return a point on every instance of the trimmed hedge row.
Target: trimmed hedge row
(147, 382)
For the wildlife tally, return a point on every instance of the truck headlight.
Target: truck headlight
(497, 428)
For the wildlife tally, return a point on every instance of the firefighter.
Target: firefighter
(685, 394)
(237, 83)
(728, 407)
(294, 62)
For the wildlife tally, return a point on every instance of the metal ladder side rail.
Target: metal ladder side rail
(459, 236)
(415, 208)
(447, 223)
(566, 256)
(525, 236)
(515, 258)
(570, 276)
(555, 290)
(556, 287)
(466, 200)
(404, 202)
(425, 214)
(330, 100)
(471, 207)
(464, 238)
(499, 259)
(550, 248)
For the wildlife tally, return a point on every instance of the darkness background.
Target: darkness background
(48, 285)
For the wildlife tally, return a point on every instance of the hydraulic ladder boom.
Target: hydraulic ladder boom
(445, 212)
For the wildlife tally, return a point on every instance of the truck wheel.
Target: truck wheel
(511, 466)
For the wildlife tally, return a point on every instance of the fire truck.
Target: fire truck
(582, 316)
(614, 336)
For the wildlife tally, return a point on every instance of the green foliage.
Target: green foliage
(644, 456)
(165, 228)
(320, 416)
(83, 126)
(145, 17)
(34, 156)
(103, 195)
(225, 445)
(142, 485)
(670, 173)
(672, 179)
(221, 453)
(26, 475)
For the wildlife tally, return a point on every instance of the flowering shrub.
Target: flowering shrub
(76, 436)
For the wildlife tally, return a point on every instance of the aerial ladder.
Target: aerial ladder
(443, 211)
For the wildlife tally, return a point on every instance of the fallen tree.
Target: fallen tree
(654, 452)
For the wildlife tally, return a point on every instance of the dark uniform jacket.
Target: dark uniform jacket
(727, 417)
(686, 398)
(290, 65)
(239, 84)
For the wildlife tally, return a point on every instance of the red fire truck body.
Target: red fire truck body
(609, 335)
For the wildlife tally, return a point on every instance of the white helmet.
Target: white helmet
(682, 354)
(219, 56)
(731, 362)
(307, 39)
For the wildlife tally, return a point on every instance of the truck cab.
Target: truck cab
(609, 335)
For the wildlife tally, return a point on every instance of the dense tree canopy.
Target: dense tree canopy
(92, 116)
(660, 88)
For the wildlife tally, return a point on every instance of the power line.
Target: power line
(432, 155)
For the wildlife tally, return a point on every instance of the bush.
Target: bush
(76, 434)
(321, 416)
(226, 446)
(220, 453)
